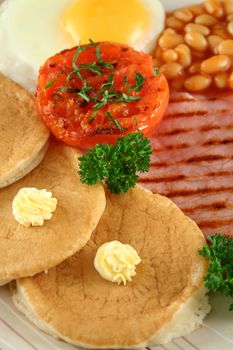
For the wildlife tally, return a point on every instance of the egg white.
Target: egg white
(157, 18)
(30, 32)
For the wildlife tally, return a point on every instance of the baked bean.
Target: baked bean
(230, 27)
(169, 31)
(196, 41)
(184, 55)
(214, 41)
(174, 23)
(196, 9)
(171, 70)
(194, 27)
(228, 6)
(184, 15)
(195, 68)
(170, 55)
(158, 52)
(169, 41)
(198, 82)
(206, 20)
(220, 80)
(196, 49)
(220, 31)
(230, 17)
(226, 47)
(214, 7)
(216, 64)
(230, 81)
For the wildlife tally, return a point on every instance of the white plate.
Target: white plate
(16, 333)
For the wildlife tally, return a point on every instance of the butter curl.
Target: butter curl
(116, 262)
(32, 206)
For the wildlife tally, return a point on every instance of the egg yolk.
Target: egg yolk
(123, 21)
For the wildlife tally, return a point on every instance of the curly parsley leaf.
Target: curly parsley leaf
(117, 165)
(94, 164)
(219, 277)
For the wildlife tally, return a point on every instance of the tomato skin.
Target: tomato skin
(68, 115)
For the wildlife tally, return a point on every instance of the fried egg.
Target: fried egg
(31, 31)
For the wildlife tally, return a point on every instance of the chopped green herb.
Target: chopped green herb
(98, 52)
(83, 92)
(97, 49)
(56, 98)
(115, 122)
(126, 80)
(92, 67)
(92, 116)
(111, 97)
(49, 84)
(107, 96)
(105, 64)
(117, 165)
(139, 83)
(107, 93)
(219, 277)
(95, 67)
(126, 98)
(69, 90)
(100, 62)
(109, 83)
(74, 62)
(156, 71)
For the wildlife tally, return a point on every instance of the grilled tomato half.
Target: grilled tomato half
(96, 93)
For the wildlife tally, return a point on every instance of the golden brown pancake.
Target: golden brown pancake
(23, 141)
(25, 251)
(165, 299)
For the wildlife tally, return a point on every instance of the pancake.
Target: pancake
(25, 251)
(165, 299)
(24, 137)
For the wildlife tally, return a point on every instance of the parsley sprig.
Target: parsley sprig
(117, 165)
(219, 277)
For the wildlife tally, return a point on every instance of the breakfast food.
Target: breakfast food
(195, 50)
(116, 262)
(133, 22)
(24, 137)
(136, 272)
(164, 300)
(192, 159)
(29, 250)
(118, 165)
(219, 253)
(65, 24)
(32, 206)
(96, 92)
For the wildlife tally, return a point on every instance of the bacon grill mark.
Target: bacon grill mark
(210, 136)
(187, 114)
(192, 162)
